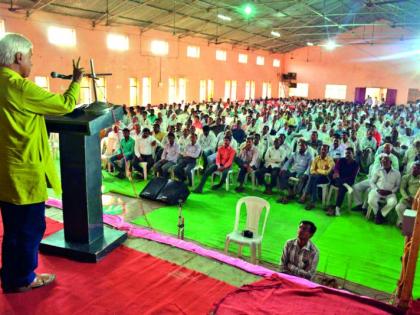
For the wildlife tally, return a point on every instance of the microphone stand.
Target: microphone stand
(181, 223)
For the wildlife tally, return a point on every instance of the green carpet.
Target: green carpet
(350, 247)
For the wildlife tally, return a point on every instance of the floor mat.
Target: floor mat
(125, 282)
(350, 247)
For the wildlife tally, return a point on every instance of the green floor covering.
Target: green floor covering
(350, 247)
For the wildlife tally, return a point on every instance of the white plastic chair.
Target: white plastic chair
(229, 178)
(334, 189)
(324, 189)
(254, 208)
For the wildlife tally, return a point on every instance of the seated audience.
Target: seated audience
(296, 166)
(274, 159)
(169, 157)
(224, 159)
(124, 154)
(143, 150)
(410, 184)
(345, 172)
(247, 160)
(187, 160)
(384, 184)
(320, 170)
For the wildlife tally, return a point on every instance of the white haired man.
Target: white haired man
(26, 165)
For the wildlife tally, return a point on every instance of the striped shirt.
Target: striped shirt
(297, 261)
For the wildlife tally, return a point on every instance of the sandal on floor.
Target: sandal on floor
(40, 280)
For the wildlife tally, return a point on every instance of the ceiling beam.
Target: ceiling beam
(39, 5)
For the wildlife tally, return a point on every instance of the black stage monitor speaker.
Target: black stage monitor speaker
(285, 77)
(153, 188)
(173, 192)
(292, 75)
(292, 85)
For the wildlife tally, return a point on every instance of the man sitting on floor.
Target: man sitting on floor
(321, 168)
(300, 256)
(384, 184)
(247, 161)
(169, 157)
(124, 154)
(274, 158)
(296, 166)
(188, 160)
(410, 183)
(224, 159)
(345, 172)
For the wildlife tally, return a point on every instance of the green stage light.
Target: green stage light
(248, 9)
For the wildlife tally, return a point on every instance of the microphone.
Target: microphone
(56, 75)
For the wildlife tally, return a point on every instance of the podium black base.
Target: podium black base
(56, 245)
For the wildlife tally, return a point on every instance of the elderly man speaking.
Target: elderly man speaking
(26, 166)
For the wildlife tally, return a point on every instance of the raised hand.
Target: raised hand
(77, 71)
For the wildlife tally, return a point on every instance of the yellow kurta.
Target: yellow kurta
(25, 160)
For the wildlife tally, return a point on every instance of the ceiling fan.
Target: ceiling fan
(372, 3)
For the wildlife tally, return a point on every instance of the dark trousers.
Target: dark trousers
(183, 168)
(260, 175)
(209, 171)
(113, 160)
(24, 227)
(338, 182)
(143, 158)
(243, 170)
(314, 181)
(206, 154)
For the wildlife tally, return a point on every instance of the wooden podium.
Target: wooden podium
(84, 237)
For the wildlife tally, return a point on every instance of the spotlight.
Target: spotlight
(309, 44)
(330, 45)
(224, 17)
(275, 34)
(248, 9)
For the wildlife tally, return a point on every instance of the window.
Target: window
(182, 90)
(202, 90)
(42, 82)
(230, 90)
(221, 55)
(301, 90)
(172, 90)
(206, 90)
(2, 28)
(260, 60)
(117, 42)
(147, 91)
(159, 47)
(134, 91)
(177, 90)
(276, 63)
(210, 89)
(233, 90)
(266, 90)
(249, 90)
(101, 89)
(193, 51)
(282, 90)
(62, 36)
(337, 92)
(85, 91)
(243, 58)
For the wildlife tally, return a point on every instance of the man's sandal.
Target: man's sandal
(40, 280)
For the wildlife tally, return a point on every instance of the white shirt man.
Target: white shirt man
(144, 146)
(384, 184)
